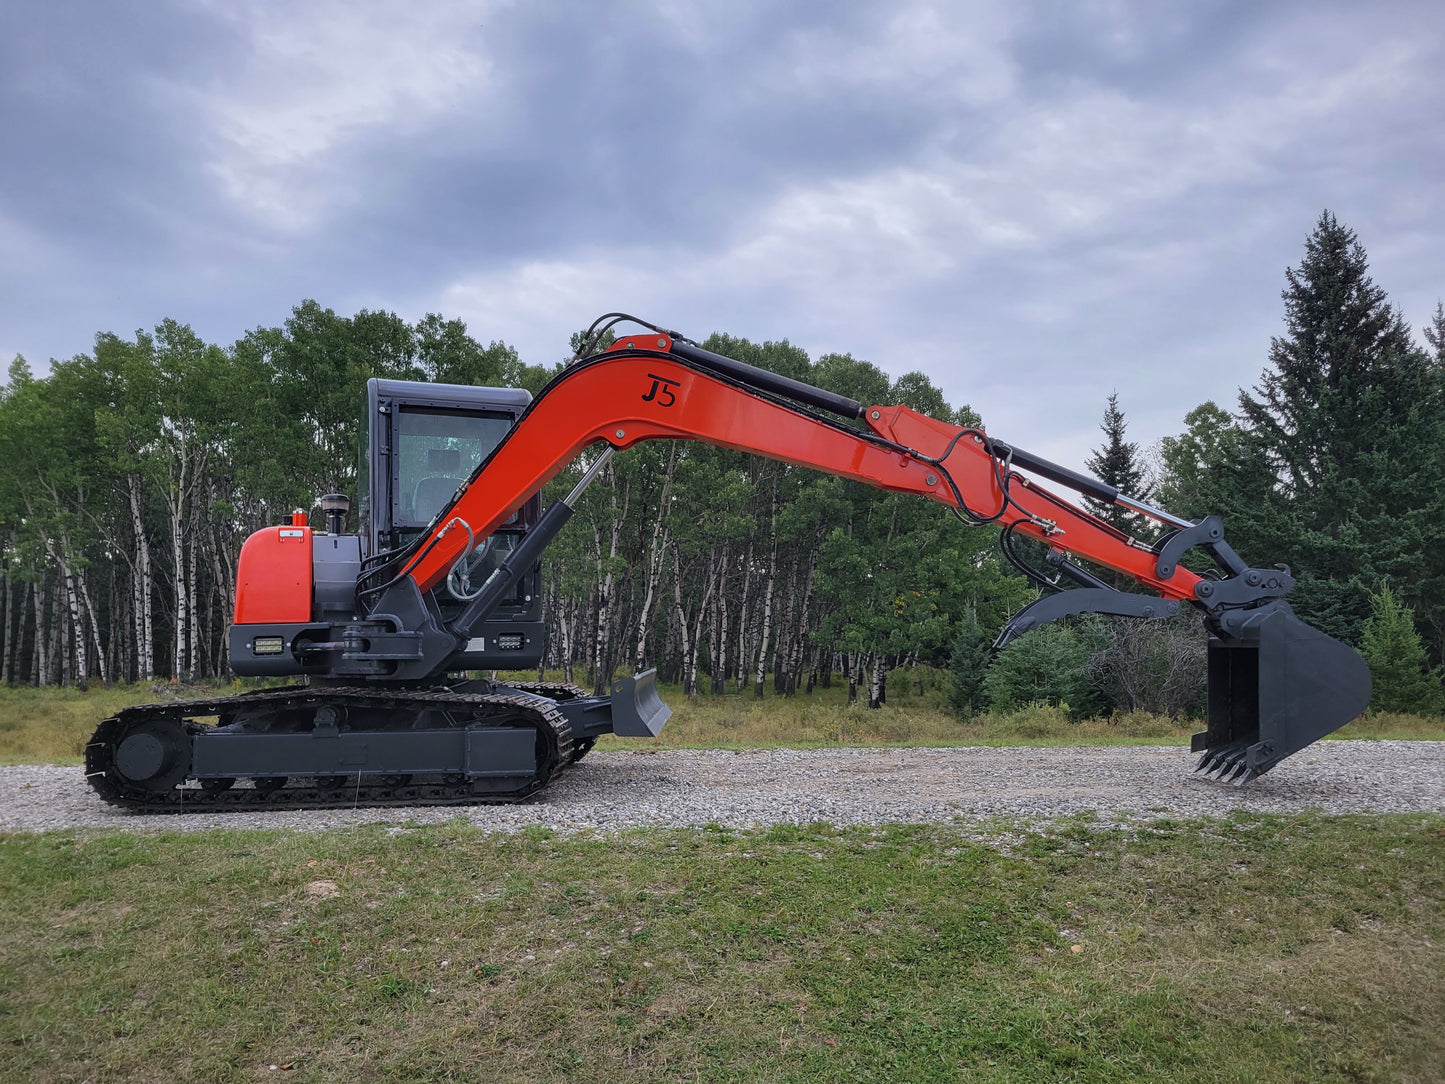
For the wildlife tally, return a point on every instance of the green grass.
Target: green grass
(52, 725)
(1252, 949)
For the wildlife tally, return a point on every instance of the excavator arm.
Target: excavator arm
(1275, 684)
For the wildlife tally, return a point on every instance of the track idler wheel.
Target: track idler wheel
(155, 755)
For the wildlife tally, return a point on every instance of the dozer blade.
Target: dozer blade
(637, 707)
(1275, 686)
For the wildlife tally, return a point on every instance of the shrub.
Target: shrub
(1396, 657)
(1045, 666)
(1153, 666)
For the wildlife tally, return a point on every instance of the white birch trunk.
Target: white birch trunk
(783, 650)
(877, 689)
(144, 588)
(743, 616)
(795, 664)
(680, 614)
(605, 582)
(720, 660)
(690, 661)
(655, 558)
(100, 658)
(767, 603)
(564, 628)
(178, 581)
(72, 606)
(193, 647)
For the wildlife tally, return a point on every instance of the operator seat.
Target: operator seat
(431, 496)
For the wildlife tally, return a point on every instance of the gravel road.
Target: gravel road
(680, 788)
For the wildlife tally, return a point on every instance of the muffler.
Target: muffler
(1276, 685)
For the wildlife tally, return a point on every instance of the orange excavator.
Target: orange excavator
(442, 578)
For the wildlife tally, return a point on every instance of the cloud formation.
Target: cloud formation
(1033, 204)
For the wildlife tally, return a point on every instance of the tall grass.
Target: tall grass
(51, 725)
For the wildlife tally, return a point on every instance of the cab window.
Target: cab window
(435, 452)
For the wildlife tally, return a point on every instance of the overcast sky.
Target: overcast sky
(1034, 204)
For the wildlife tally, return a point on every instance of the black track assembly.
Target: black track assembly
(146, 758)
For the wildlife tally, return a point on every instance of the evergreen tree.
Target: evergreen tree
(1118, 463)
(1216, 468)
(1427, 584)
(967, 665)
(1435, 335)
(1342, 415)
(1048, 666)
(1396, 658)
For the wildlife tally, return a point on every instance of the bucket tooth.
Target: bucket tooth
(1215, 763)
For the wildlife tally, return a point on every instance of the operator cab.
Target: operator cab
(419, 442)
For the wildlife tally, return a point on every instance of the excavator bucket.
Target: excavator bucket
(637, 707)
(1275, 686)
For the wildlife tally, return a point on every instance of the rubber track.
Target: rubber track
(111, 786)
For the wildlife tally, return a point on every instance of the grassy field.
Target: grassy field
(1253, 949)
(52, 725)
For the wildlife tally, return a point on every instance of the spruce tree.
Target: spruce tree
(1120, 464)
(1435, 335)
(1347, 415)
(967, 665)
(1396, 658)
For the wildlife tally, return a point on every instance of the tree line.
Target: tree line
(133, 473)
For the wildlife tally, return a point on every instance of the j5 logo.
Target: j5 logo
(661, 391)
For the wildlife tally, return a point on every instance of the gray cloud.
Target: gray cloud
(1035, 207)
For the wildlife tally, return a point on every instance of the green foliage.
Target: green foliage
(967, 665)
(676, 555)
(1045, 666)
(1350, 416)
(1392, 648)
(1215, 468)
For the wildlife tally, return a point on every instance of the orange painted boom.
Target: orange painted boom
(626, 396)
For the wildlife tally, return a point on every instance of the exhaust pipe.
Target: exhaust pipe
(1276, 685)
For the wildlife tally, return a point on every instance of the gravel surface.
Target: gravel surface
(681, 788)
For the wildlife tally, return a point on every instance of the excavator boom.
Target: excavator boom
(670, 390)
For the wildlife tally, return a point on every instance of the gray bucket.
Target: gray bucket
(1276, 685)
